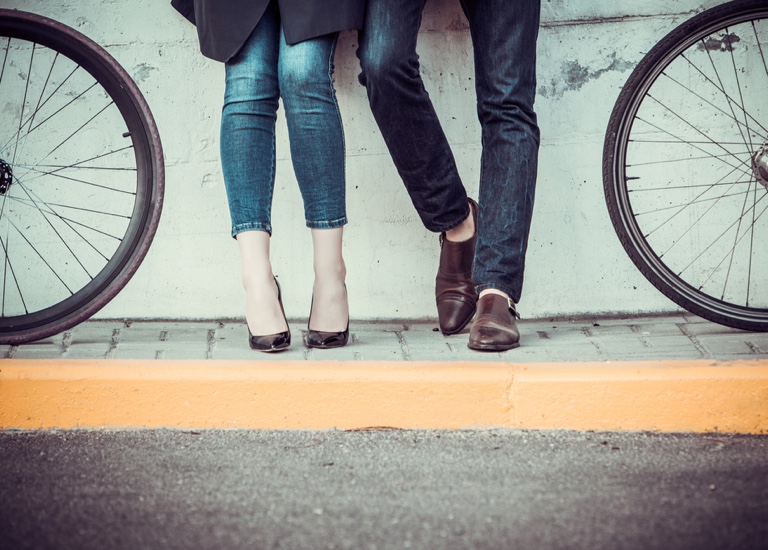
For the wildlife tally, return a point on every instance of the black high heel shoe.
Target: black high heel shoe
(272, 342)
(325, 340)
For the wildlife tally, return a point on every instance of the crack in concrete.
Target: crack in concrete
(403, 344)
(211, 343)
(695, 341)
(586, 331)
(113, 343)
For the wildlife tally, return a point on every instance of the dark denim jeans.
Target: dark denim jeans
(504, 34)
(263, 71)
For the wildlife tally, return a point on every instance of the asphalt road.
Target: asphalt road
(382, 489)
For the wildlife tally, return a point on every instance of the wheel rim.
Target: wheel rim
(691, 199)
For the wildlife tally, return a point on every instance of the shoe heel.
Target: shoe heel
(269, 343)
(321, 339)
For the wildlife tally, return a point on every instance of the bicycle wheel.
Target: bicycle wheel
(81, 177)
(685, 165)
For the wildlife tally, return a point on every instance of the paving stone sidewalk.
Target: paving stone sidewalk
(669, 337)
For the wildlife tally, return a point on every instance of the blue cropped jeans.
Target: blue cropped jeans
(265, 70)
(504, 34)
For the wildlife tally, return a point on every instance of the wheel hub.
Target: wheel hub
(6, 177)
(760, 165)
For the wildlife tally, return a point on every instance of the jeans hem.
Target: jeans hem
(449, 226)
(332, 224)
(258, 226)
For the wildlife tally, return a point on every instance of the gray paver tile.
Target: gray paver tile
(230, 342)
(734, 346)
(95, 332)
(87, 351)
(139, 350)
(153, 331)
(706, 328)
(163, 340)
(36, 352)
(49, 348)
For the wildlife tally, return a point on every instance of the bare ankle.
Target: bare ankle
(330, 272)
(462, 232)
(256, 280)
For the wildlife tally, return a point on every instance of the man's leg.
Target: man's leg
(419, 148)
(504, 37)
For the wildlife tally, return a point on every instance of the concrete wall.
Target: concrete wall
(575, 262)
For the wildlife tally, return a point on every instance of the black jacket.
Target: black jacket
(223, 26)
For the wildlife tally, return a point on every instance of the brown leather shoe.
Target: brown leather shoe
(454, 289)
(494, 328)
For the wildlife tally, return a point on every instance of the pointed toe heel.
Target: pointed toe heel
(272, 342)
(324, 340)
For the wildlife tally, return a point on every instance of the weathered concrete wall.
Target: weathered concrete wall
(575, 262)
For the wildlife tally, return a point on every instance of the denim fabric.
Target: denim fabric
(504, 34)
(265, 70)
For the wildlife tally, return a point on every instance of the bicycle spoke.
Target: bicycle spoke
(45, 102)
(654, 162)
(695, 146)
(86, 123)
(5, 59)
(735, 242)
(79, 163)
(9, 265)
(725, 94)
(687, 204)
(732, 115)
(32, 246)
(80, 209)
(710, 140)
(35, 206)
(683, 208)
(751, 249)
(23, 105)
(61, 176)
(730, 252)
(694, 186)
(690, 227)
(62, 239)
(760, 48)
(722, 86)
(680, 141)
(725, 232)
(62, 108)
(31, 119)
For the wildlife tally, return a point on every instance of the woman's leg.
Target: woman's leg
(248, 164)
(330, 310)
(317, 148)
(262, 309)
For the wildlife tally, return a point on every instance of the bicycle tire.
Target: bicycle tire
(643, 124)
(24, 32)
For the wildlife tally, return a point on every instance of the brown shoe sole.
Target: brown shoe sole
(493, 347)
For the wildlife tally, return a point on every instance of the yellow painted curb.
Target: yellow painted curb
(699, 396)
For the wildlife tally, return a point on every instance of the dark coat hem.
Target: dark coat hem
(223, 31)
